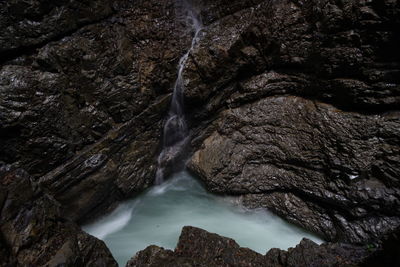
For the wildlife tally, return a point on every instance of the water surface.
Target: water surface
(157, 217)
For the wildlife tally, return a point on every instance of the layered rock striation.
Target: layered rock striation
(300, 103)
(292, 105)
(82, 107)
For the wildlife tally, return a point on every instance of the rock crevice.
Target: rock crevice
(293, 105)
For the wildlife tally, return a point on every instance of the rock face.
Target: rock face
(28, 24)
(339, 52)
(82, 106)
(84, 87)
(35, 232)
(293, 105)
(197, 247)
(300, 110)
(308, 162)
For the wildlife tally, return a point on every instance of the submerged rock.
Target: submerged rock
(197, 247)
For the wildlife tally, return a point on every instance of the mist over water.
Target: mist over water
(157, 217)
(175, 128)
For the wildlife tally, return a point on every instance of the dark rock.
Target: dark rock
(71, 93)
(219, 251)
(197, 247)
(292, 104)
(388, 253)
(211, 10)
(35, 232)
(121, 164)
(83, 113)
(327, 47)
(326, 159)
(29, 23)
(300, 157)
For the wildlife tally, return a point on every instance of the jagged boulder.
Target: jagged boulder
(35, 232)
(292, 104)
(197, 247)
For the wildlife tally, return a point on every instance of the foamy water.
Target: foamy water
(157, 217)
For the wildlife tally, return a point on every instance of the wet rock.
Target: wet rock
(296, 110)
(307, 253)
(328, 47)
(298, 157)
(121, 164)
(35, 232)
(83, 113)
(292, 104)
(29, 23)
(197, 247)
(96, 88)
(222, 44)
(72, 92)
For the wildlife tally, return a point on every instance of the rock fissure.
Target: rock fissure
(292, 105)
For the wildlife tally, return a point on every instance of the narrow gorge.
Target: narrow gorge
(150, 133)
(175, 134)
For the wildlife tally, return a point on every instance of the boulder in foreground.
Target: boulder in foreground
(34, 232)
(197, 247)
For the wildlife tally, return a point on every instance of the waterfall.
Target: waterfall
(175, 129)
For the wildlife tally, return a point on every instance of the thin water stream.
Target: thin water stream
(175, 135)
(157, 217)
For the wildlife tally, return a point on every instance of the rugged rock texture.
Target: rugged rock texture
(293, 105)
(84, 94)
(343, 52)
(35, 232)
(197, 247)
(300, 103)
(27, 24)
(308, 162)
(83, 112)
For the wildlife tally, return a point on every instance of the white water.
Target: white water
(157, 217)
(175, 128)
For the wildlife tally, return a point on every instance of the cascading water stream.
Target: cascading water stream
(175, 128)
(158, 215)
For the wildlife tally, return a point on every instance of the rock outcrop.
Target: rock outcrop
(300, 109)
(84, 87)
(82, 107)
(342, 53)
(197, 247)
(293, 105)
(308, 162)
(35, 232)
